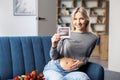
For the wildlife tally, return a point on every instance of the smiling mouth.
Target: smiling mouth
(79, 26)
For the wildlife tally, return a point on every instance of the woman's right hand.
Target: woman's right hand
(55, 39)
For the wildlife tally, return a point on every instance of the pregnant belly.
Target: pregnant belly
(66, 63)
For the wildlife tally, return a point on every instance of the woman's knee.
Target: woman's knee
(76, 76)
(52, 75)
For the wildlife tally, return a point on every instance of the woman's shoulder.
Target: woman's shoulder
(93, 35)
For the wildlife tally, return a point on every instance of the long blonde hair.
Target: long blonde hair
(84, 14)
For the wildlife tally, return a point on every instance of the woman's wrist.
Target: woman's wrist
(54, 45)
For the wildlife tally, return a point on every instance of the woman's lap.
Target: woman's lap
(76, 76)
(53, 71)
(52, 75)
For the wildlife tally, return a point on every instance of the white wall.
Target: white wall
(114, 37)
(11, 25)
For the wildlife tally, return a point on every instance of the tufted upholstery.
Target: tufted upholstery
(19, 55)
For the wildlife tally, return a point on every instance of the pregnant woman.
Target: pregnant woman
(69, 54)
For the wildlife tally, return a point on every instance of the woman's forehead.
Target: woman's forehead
(78, 14)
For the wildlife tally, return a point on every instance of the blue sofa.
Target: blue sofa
(19, 55)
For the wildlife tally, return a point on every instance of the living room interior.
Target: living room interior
(106, 53)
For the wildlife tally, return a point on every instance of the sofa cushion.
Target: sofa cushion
(6, 69)
(46, 41)
(19, 55)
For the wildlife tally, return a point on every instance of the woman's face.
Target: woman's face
(79, 22)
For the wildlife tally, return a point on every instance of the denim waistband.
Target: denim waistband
(57, 62)
(55, 65)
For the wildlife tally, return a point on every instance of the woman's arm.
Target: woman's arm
(53, 51)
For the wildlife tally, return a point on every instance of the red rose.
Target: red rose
(16, 78)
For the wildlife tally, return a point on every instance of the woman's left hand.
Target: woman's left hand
(76, 64)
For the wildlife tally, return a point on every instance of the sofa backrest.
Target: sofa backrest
(19, 55)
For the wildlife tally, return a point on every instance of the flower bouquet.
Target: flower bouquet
(30, 76)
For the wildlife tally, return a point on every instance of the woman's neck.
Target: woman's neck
(80, 31)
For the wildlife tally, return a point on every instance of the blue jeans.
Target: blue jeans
(53, 71)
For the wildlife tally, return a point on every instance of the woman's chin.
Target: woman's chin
(79, 29)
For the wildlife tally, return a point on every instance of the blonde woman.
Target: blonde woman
(69, 54)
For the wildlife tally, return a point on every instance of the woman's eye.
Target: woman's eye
(82, 18)
(79, 18)
(75, 18)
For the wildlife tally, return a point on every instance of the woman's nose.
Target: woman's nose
(78, 21)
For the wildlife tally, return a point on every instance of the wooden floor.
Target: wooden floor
(104, 63)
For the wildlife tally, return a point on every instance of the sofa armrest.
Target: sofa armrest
(94, 71)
